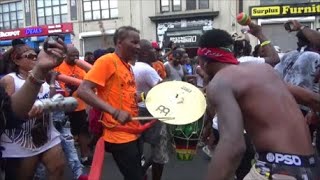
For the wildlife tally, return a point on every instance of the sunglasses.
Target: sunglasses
(30, 56)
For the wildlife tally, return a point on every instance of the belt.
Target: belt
(287, 159)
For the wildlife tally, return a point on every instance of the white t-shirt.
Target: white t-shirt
(146, 78)
(257, 60)
(18, 142)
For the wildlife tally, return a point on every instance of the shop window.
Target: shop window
(203, 4)
(176, 5)
(11, 15)
(272, 2)
(191, 5)
(100, 9)
(52, 11)
(164, 5)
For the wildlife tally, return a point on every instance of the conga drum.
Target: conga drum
(186, 104)
(186, 138)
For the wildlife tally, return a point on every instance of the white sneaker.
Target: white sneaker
(207, 151)
(143, 160)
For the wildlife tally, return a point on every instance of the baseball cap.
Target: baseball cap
(155, 45)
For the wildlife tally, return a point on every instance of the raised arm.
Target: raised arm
(23, 99)
(86, 93)
(312, 35)
(231, 146)
(305, 97)
(271, 55)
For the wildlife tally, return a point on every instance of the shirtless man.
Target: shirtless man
(253, 97)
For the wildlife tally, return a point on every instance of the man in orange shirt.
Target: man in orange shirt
(113, 78)
(78, 118)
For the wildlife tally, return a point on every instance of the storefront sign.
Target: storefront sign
(33, 31)
(36, 31)
(184, 39)
(9, 34)
(306, 9)
(185, 33)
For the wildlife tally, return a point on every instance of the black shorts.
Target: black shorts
(78, 122)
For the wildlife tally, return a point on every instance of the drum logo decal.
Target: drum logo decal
(163, 109)
(186, 89)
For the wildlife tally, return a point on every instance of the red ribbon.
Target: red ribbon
(218, 55)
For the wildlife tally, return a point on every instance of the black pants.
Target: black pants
(128, 158)
(78, 122)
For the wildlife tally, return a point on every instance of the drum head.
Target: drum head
(180, 100)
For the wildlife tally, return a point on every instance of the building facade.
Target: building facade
(90, 24)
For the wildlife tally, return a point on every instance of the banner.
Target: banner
(44, 30)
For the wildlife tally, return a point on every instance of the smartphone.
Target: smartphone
(288, 26)
(52, 39)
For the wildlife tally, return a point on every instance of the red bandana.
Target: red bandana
(217, 54)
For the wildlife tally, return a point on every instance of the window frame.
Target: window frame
(161, 6)
(53, 15)
(195, 3)
(173, 6)
(208, 2)
(10, 12)
(100, 10)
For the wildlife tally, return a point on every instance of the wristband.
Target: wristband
(52, 86)
(35, 80)
(265, 43)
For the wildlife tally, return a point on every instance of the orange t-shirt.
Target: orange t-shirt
(159, 67)
(76, 72)
(116, 85)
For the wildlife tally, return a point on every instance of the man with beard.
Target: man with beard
(146, 78)
(112, 77)
(174, 69)
(77, 118)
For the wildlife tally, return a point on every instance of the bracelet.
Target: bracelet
(35, 80)
(265, 43)
(302, 27)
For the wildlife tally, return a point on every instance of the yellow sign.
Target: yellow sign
(307, 9)
(265, 11)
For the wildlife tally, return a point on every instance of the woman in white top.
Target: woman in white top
(36, 140)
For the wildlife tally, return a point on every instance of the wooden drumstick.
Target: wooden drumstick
(146, 118)
(83, 65)
(69, 79)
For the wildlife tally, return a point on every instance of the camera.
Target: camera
(52, 39)
(288, 26)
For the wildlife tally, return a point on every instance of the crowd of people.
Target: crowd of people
(262, 119)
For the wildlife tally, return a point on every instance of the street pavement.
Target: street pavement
(195, 169)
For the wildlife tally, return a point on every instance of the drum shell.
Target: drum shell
(186, 138)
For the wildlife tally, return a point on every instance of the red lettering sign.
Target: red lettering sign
(44, 30)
